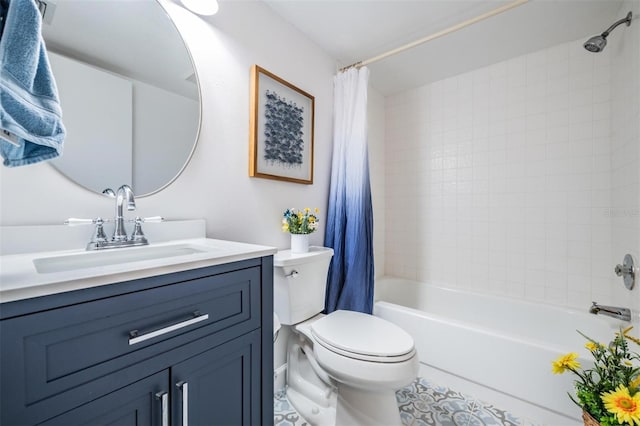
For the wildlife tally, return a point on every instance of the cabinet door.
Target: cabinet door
(139, 404)
(220, 386)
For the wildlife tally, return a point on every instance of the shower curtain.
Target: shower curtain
(350, 214)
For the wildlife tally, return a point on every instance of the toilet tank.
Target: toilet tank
(300, 281)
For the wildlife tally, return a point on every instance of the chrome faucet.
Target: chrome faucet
(123, 196)
(611, 311)
(125, 193)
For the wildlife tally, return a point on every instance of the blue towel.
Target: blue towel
(29, 106)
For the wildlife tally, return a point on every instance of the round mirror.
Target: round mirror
(128, 90)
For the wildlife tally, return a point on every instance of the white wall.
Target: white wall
(215, 185)
(499, 180)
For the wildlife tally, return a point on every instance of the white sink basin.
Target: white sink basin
(71, 262)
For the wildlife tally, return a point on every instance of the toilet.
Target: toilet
(342, 368)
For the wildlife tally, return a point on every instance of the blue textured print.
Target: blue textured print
(283, 131)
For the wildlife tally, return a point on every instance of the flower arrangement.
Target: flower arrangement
(300, 221)
(609, 391)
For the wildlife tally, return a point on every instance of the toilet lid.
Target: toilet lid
(356, 334)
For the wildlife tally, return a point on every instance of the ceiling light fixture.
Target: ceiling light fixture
(201, 7)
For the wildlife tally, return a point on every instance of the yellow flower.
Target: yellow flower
(317, 210)
(623, 405)
(565, 362)
(591, 346)
(299, 221)
(635, 383)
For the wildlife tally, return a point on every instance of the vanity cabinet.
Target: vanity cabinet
(187, 348)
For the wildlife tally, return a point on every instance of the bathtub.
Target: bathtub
(496, 347)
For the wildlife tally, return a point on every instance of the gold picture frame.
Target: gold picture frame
(281, 129)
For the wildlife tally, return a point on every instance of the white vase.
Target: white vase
(299, 243)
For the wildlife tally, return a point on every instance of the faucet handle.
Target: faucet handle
(153, 219)
(137, 234)
(99, 239)
(99, 235)
(74, 221)
(150, 219)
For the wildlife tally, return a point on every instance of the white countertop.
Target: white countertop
(19, 278)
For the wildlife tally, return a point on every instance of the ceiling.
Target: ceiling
(348, 30)
(355, 30)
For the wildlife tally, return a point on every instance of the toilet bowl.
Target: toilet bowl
(342, 368)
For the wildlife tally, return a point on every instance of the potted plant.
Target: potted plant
(300, 223)
(608, 392)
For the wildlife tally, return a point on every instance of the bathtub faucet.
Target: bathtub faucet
(611, 311)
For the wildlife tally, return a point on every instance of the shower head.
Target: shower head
(597, 43)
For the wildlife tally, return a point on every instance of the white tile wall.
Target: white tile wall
(625, 146)
(375, 105)
(500, 180)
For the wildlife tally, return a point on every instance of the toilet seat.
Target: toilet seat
(363, 337)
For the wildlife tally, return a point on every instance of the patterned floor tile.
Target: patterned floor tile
(423, 404)
(283, 412)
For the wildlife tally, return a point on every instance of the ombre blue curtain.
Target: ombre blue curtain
(349, 229)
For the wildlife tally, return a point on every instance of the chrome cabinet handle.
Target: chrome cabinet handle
(134, 338)
(184, 387)
(164, 397)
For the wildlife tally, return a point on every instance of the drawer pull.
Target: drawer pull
(184, 387)
(134, 338)
(164, 397)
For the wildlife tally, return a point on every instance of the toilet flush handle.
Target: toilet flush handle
(293, 274)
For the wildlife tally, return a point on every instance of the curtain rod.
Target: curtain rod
(446, 31)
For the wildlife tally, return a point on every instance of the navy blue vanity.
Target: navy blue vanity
(193, 347)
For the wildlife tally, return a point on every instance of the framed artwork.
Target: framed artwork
(281, 134)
